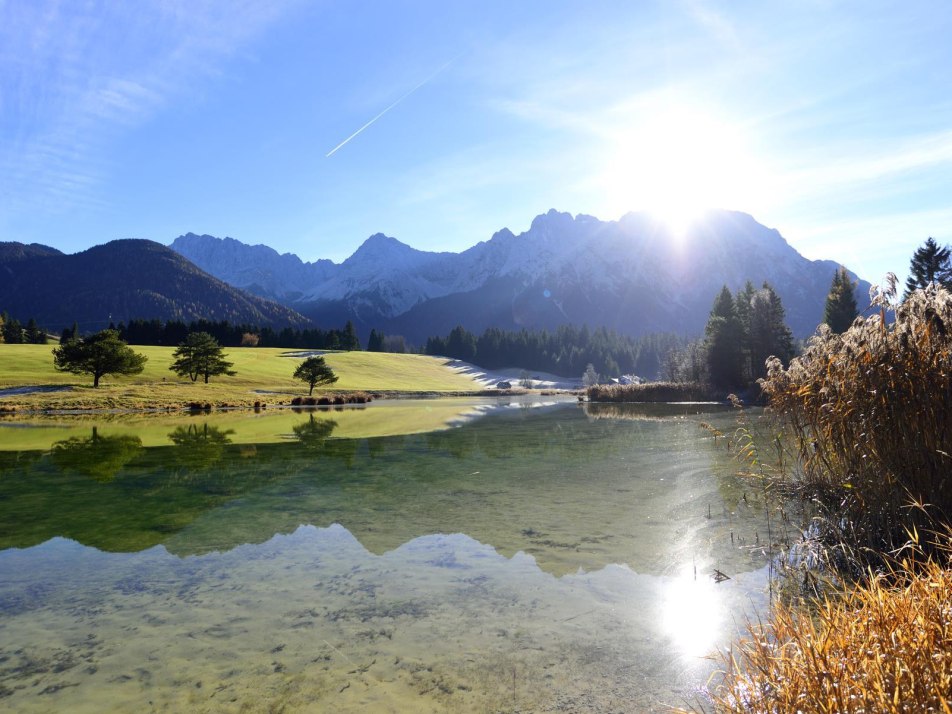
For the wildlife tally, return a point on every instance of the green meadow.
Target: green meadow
(263, 374)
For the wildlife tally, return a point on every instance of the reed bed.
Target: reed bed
(870, 412)
(653, 392)
(884, 646)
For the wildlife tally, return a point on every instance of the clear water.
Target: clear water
(523, 557)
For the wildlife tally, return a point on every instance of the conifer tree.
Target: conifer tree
(12, 331)
(349, 340)
(200, 356)
(315, 371)
(33, 334)
(723, 341)
(100, 354)
(840, 310)
(929, 264)
(742, 302)
(768, 335)
(375, 341)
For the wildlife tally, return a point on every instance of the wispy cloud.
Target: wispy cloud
(72, 76)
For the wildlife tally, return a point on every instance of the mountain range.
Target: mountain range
(121, 280)
(633, 275)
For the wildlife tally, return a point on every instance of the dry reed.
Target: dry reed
(653, 392)
(871, 415)
(885, 646)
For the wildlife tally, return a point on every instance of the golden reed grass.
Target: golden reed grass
(653, 392)
(885, 646)
(871, 416)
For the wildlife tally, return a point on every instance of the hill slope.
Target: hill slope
(121, 280)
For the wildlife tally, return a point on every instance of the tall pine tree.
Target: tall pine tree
(840, 310)
(723, 339)
(768, 334)
(929, 264)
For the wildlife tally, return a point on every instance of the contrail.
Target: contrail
(425, 81)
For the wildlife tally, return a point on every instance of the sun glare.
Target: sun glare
(678, 163)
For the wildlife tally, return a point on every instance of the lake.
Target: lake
(408, 556)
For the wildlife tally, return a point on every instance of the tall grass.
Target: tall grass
(653, 392)
(871, 416)
(885, 646)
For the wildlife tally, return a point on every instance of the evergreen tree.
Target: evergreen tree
(33, 334)
(742, 302)
(314, 371)
(840, 310)
(461, 344)
(200, 356)
(930, 264)
(375, 341)
(3, 320)
(349, 340)
(723, 340)
(12, 331)
(100, 354)
(768, 335)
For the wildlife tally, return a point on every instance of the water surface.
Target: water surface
(493, 556)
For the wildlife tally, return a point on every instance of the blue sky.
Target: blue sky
(830, 121)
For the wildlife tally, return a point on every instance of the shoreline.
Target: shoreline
(112, 403)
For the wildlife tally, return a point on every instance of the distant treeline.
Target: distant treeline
(566, 351)
(14, 333)
(174, 332)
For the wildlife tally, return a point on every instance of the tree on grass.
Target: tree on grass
(33, 334)
(12, 332)
(200, 356)
(375, 342)
(840, 310)
(930, 264)
(99, 354)
(314, 371)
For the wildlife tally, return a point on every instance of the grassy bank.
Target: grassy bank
(263, 374)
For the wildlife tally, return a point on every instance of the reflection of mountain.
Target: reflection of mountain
(570, 491)
(99, 457)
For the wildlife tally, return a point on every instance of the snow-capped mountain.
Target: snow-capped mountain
(632, 275)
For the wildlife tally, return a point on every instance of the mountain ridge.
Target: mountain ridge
(121, 280)
(633, 275)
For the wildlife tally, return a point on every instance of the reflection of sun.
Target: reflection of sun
(692, 614)
(679, 162)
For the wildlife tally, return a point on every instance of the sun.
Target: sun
(677, 163)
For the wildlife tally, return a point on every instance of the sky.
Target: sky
(309, 126)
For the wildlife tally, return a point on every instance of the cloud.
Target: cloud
(72, 76)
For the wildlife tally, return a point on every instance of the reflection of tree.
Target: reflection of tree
(314, 432)
(100, 457)
(201, 446)
(11, 460)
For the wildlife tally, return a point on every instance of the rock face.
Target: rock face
(121, 280)
(632, 275)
